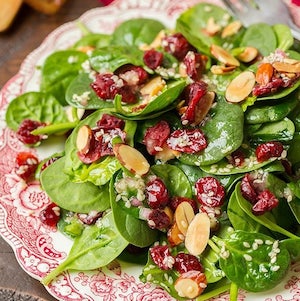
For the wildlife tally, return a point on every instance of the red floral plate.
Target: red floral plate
(39, 249)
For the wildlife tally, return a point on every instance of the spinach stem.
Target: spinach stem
(213, 293)
(212, 244)
(85, 31)
(234, 290)
(55, 128)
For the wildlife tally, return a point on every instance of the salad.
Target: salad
(180, 151)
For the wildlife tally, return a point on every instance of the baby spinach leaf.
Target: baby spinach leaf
(284, 36)
(98, 245)
(110, 58)
(58, 71)
(255, 262)
(76, 197)
(37, 106)
(293, 246)
(79, 94)
(136, 32)
(134, 230)
(260, 36)
(224, 134)
(174, 178)
(96, 40)
(295, 202)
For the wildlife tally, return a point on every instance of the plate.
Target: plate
(40, 249)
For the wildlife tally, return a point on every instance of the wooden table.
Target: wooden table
(27, 33)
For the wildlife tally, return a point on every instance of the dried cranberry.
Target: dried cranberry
(237, 158)
(158, 219)
(187, 141)
(210, 192)
(26, 165)
(175, 201)
(89, 218)
(157, 193)
(108, 121)
(133, 75)
(193, 94)
(128, 94)
(105, 85)
(50, 215)
(270, 87)
(177, 45)
(94, 152)
(153, 58)
(162, 257)
(187, 262)
(25, 129)
(248, 191)
(212, 212)
(195, 64)
(266, 201)
(155, 137)
(268, 150)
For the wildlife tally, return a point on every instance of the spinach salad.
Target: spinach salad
(181, 152)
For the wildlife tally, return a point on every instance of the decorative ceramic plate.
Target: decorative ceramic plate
(39, 249)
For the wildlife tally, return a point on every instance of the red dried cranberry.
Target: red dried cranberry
(128, 94)
(175, 201)
(210, 192)
(268, 150)
(270, 87)
(187, 141)
(195, 64)
(237, 158)
(89, 218)
(25, 129)
(157, 194)
(155, 137)
(105, 85)
(187, 262)
(162, 257)
(108, 121)
(158, 219)
(50, 215)
(248, 191)
(212, 212)
(177, 45)
(193, 94)
(266, 201)
(94, 153)
(26, 165)
(153, 58)
(133, 75)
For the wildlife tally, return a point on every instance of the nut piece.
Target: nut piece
(212, 27)
(174, 236)
(153, 87)
(231, 29)
(223, 56)
(221, 69)
(248, 55)
(197, 234)
(155, 43)
(264, 73)
(131, 159)
(240, 87)
(203, 107)
(190, 284)
(184, 214)
(287, 67)
(83, 139)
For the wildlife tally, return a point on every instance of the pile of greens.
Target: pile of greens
(77, 187)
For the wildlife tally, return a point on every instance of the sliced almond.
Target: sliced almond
(131, 159)
(286, 67)
(166, 154)
(223, 56)
(184, 214)
(212, 27)
(190, 284)
(264, 73)
(240, 87)
(155, 43)
(174, 236)
(153, 87)
(221, 69)
(231, 29)
(197, 234)
(248, 54)
(83, 139)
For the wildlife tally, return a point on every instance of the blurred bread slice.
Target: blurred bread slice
(47, 7)
(8, 11)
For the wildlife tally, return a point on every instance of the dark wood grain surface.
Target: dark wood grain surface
(27, 32)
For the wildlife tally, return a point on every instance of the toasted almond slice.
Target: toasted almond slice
(131, 159)
(153, 87)
(264, 73)
(223, 56)
(212, 27)
(240, 87)
(166, 154)
(155, 43)
(231, 29)
(184, 214)
(174, 236)
(221, 69)
(286, 67)
(197, 234)
(203, 107)
(190, 284)
(248, 55)
(83, 139)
